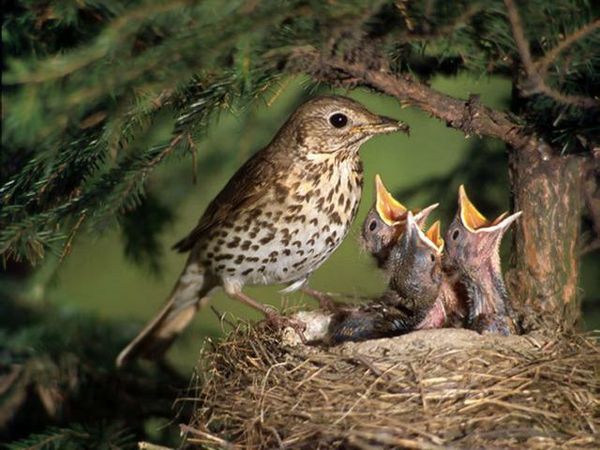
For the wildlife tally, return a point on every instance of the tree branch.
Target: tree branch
(535, 82)
(470, 116)
(543, 63)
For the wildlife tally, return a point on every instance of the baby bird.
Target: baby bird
(415, 262)
(472, 252)
(449, 309)
(385, 222)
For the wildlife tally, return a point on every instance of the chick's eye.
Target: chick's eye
(373, 225)
(338, 120)
(455, 235)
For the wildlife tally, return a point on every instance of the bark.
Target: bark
(545, 260)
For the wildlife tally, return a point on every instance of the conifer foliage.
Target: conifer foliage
(86, 81)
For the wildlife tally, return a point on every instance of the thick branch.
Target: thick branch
(470, 116)
(536, 82)
(549, 192)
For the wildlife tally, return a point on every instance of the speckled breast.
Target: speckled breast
(298, 224)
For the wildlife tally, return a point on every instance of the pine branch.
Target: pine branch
(535, 82)
(81, 117)
(121, 29)
(544, 63)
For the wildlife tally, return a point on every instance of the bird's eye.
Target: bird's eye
(455, 235)
(373, 225)
(338, 120)
(432, 256)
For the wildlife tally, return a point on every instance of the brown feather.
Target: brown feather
(248, 185)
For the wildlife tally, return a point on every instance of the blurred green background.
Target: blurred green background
(98, 278)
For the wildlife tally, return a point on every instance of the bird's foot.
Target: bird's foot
(325, 299)
(280, 322)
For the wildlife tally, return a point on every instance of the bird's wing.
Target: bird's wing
(383, 317)
(249, 184)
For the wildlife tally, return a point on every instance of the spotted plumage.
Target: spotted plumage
(282, 214)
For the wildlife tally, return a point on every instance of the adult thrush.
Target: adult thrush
(414, 288)
(277, 220)
(472, 252)
(385, 223)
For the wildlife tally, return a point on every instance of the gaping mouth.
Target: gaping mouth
(471, 218)
(434, 235)
(431, 238)
(389, 209)
(474, 221)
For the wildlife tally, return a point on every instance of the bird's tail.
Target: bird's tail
(188, 296)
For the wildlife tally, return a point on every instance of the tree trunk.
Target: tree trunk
(545, 259)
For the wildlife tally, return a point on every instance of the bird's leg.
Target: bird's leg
(273, 317)
(325, 300)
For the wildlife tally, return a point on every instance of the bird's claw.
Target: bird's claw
(325, 299)
(280, 322)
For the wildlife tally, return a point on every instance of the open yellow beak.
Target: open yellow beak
(431, 238)
(471, 218)
(435, 236)
(389, 209)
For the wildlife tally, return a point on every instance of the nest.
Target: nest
(446, 388)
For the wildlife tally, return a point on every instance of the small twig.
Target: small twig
(69, 244)
(520, 39)
(193, 150)
(149, 446)
(221, 317)
(206, 436)
(282, 86)
(447, 29)
(536, 83)
(544, 63)
(367, 363)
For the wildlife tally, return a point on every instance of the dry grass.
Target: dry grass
(429, 389)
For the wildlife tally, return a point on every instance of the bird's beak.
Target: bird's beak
(389, 209)
(422, 215)
(383, 125)
(473, 220)
(435, 236)
(414, 233)
(470, 217)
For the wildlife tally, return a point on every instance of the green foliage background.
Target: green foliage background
(98, 276)
(121, 120)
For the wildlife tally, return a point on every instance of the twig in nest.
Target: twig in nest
(535, 81)
(482, 391)
(221, 317)
(361, 359)
(149, 446)
(206, 437)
